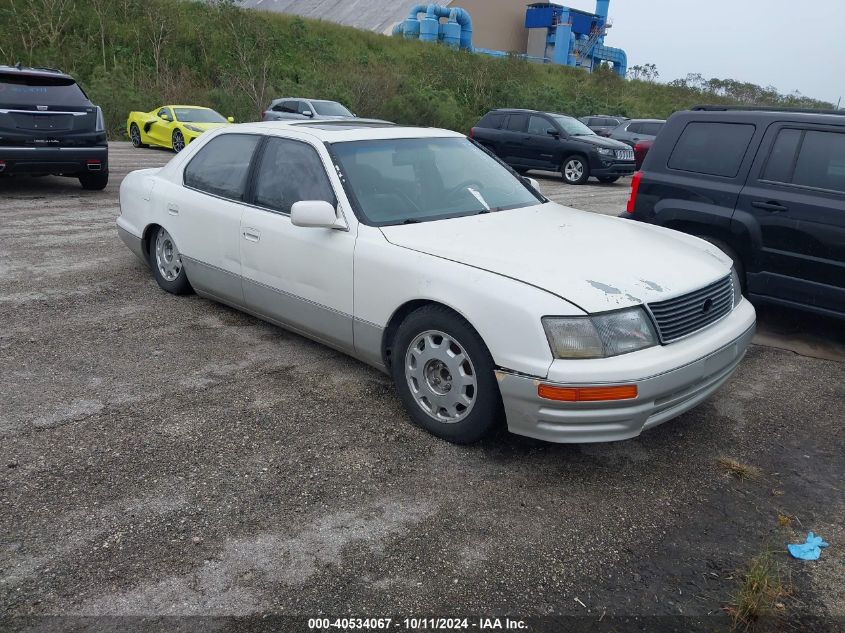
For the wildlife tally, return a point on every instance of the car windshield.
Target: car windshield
(403, 181)
(198, 115)
(330, 108)
(573, 127)
(23, 89)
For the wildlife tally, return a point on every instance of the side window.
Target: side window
(291, 171)
(610, 123)
(165, 112)
(518, 122)
(538, 125)
(634, 128)
(821, 161)
(221, 166)
(716, 149)
(782, 158)
(279, 107)
(493, 121)
(290, 106)
(304, 107)
(652, 129)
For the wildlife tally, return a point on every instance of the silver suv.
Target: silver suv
(294, 108)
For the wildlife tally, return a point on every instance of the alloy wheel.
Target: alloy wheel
(441, 376)
(178, 141)
(168, 259)
(573, 171)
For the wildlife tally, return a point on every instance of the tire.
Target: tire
(166, 262)
(135, 136)
(607, 179)
(730, 252)
(178, 141)
(425, 368)
(575, 170)
(96, 181)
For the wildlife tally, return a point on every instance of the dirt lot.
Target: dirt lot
(170, 456)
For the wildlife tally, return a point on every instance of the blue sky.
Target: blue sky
(790, 45)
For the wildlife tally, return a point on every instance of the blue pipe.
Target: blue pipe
(429, 28)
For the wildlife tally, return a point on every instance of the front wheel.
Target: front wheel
(444, 374)
(178, 141)
(167, 265)
(575, 170)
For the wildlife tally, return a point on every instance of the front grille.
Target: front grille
(684, 315)
(625, 154)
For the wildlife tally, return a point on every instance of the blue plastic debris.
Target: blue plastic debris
(811, 550)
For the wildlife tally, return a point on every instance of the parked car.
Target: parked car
(172, 126)
(418, 252)
(766, 186)
(602, 124)
(636, 130)
(49, 126)
(641, 150)
(297, 109)
(528, 139)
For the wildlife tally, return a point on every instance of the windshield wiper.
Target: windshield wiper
(410, 221)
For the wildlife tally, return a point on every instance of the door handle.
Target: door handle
(773, 207)
(252, 235)
(172, 209)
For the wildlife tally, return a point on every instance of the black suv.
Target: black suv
(48, 126)
(767, 186)
(527, 139)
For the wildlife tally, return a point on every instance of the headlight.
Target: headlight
(193, 128)
(600, 335)
(604, 151)
(737, 287)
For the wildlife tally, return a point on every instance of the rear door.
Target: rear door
(38, 110)
(514, 137)
(795, 194)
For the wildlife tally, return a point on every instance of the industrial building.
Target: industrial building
(545, 32)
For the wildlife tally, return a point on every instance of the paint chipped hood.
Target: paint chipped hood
(594, 261)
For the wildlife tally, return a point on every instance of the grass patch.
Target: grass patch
(760, 593)
(737, 469)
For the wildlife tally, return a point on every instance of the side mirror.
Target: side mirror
(534, 184)
(553, 132)
(315, 213)
(230, 119)
(164, 117)
(308, 113)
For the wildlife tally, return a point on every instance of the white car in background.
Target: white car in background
(419, 253)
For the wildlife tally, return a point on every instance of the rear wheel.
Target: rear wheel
(178, 141)
(730, 252)
(167, 265)
(96, 181)
(135, 136)
(575, 170)
(444, 375)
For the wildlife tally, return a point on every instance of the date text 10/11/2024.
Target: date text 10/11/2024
(416, 624)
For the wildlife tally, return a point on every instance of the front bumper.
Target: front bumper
(661, 396)
(613, 168)
(54, 160)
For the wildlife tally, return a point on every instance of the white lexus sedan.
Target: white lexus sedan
(417, 252)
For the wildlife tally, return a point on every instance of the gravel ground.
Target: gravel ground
(171, 456)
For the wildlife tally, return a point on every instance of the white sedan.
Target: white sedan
(421, 254)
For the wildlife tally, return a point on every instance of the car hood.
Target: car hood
(600, 141)
(594, 261)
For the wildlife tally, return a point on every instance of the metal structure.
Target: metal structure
(456, 32)
(571, 37)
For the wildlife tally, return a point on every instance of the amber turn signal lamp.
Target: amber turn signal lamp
(587, 394)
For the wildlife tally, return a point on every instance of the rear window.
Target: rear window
(716, 149)
(22, 89)
(652, 129)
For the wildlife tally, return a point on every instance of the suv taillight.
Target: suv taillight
(472, 132)
(635, 187)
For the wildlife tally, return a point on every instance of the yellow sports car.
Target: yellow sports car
(172, 126)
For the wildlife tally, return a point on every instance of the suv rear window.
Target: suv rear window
(22, 89)
(716, 149)
(821, 161)
(493, 121)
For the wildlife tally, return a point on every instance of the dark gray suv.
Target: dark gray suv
(298, 109)
(635, 130)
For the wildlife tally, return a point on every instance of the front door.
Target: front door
(796, 195)
(539, 149)
(300, 277)
(161, 128)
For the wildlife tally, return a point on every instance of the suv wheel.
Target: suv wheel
(575, 170)
(94, 182)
